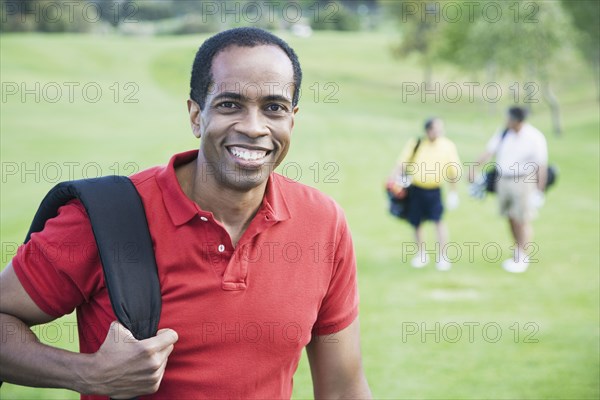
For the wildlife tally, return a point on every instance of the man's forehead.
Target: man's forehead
(437, 123)
(265, 69)
(264, 61)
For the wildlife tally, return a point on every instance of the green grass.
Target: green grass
(362, 134)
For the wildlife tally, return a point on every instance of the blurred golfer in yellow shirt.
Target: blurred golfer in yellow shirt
(430, 161)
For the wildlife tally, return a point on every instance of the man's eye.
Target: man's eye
(227, 104)
(275, 107)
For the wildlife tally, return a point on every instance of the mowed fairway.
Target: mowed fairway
(474, 332)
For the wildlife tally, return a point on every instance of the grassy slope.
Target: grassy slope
(361, 134)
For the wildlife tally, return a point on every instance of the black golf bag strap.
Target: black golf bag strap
(502, 137)
(124, 244)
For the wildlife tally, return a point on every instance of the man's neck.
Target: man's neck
(234, 209)
(518, 127)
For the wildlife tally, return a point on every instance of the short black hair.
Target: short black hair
(429, 123)
(244, 37)
(517, 113)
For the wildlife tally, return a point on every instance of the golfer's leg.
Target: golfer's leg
(419, 239)
(442, 238)
(522, 215)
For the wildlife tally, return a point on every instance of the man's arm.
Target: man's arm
(452, 176)
(122, 368)
(542, 163)
(542, 177)
(403, 164)
(483, 158)
(336, 365)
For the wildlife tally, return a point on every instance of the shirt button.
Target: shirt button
(221, 248)
(204, 219)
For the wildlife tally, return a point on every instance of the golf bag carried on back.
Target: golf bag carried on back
(118, 219)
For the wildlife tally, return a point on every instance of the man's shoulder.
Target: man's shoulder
(146, 176)
(534, 132)
(447, 142)
(412, 141)
(74, 210)
(304, 199)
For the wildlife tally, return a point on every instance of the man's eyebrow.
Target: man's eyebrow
(229, 95)
(239, 97)
(276, 97)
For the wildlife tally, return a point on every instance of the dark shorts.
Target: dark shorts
(424, 205)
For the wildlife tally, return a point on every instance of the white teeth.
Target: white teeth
(248, 155)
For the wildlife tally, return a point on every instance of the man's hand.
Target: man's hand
(537, 199)
(483, 158)
(452, 200)
(124, 367)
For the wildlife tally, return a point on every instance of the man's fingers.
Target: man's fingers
(163, 339)
(118, 331)
(161, 343)
(161, 370)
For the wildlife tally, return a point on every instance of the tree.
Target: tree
(420, 27)
(42, 16)
(585, 16)
(519, 36)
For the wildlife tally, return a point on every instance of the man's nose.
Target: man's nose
(254, 123)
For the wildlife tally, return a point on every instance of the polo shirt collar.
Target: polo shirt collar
(182, 209)
(274, 203)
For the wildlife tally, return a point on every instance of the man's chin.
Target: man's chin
(245, 180)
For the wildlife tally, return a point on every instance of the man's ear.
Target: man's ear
(294, 111)
(194, 111)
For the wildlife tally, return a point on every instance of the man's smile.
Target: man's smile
(248, 156)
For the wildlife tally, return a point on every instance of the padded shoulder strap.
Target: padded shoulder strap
(414, 152)
(121, 231)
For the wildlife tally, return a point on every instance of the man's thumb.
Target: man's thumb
(169, 335)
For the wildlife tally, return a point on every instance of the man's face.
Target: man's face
(247, 120)
(512, 123)
(436, 130)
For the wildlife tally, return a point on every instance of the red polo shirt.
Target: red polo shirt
(243, 314)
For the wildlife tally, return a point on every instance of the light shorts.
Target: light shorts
(515, 197)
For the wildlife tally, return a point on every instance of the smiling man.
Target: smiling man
(253, 267)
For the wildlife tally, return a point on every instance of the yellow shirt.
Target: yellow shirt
(434, 163)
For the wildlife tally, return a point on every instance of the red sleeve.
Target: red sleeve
(59, 267)
(340, 305)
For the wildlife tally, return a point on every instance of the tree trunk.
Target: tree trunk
(427, 74)
(491, 71)
(596, 72)
(529, 96)
(550, 98)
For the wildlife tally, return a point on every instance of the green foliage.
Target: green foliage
(154, 10)
(173, 17)
(418, 33)
(516, 37)
(43, 16)
(194, 24)
(585, 16)
(333, 15)
(526, 35)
